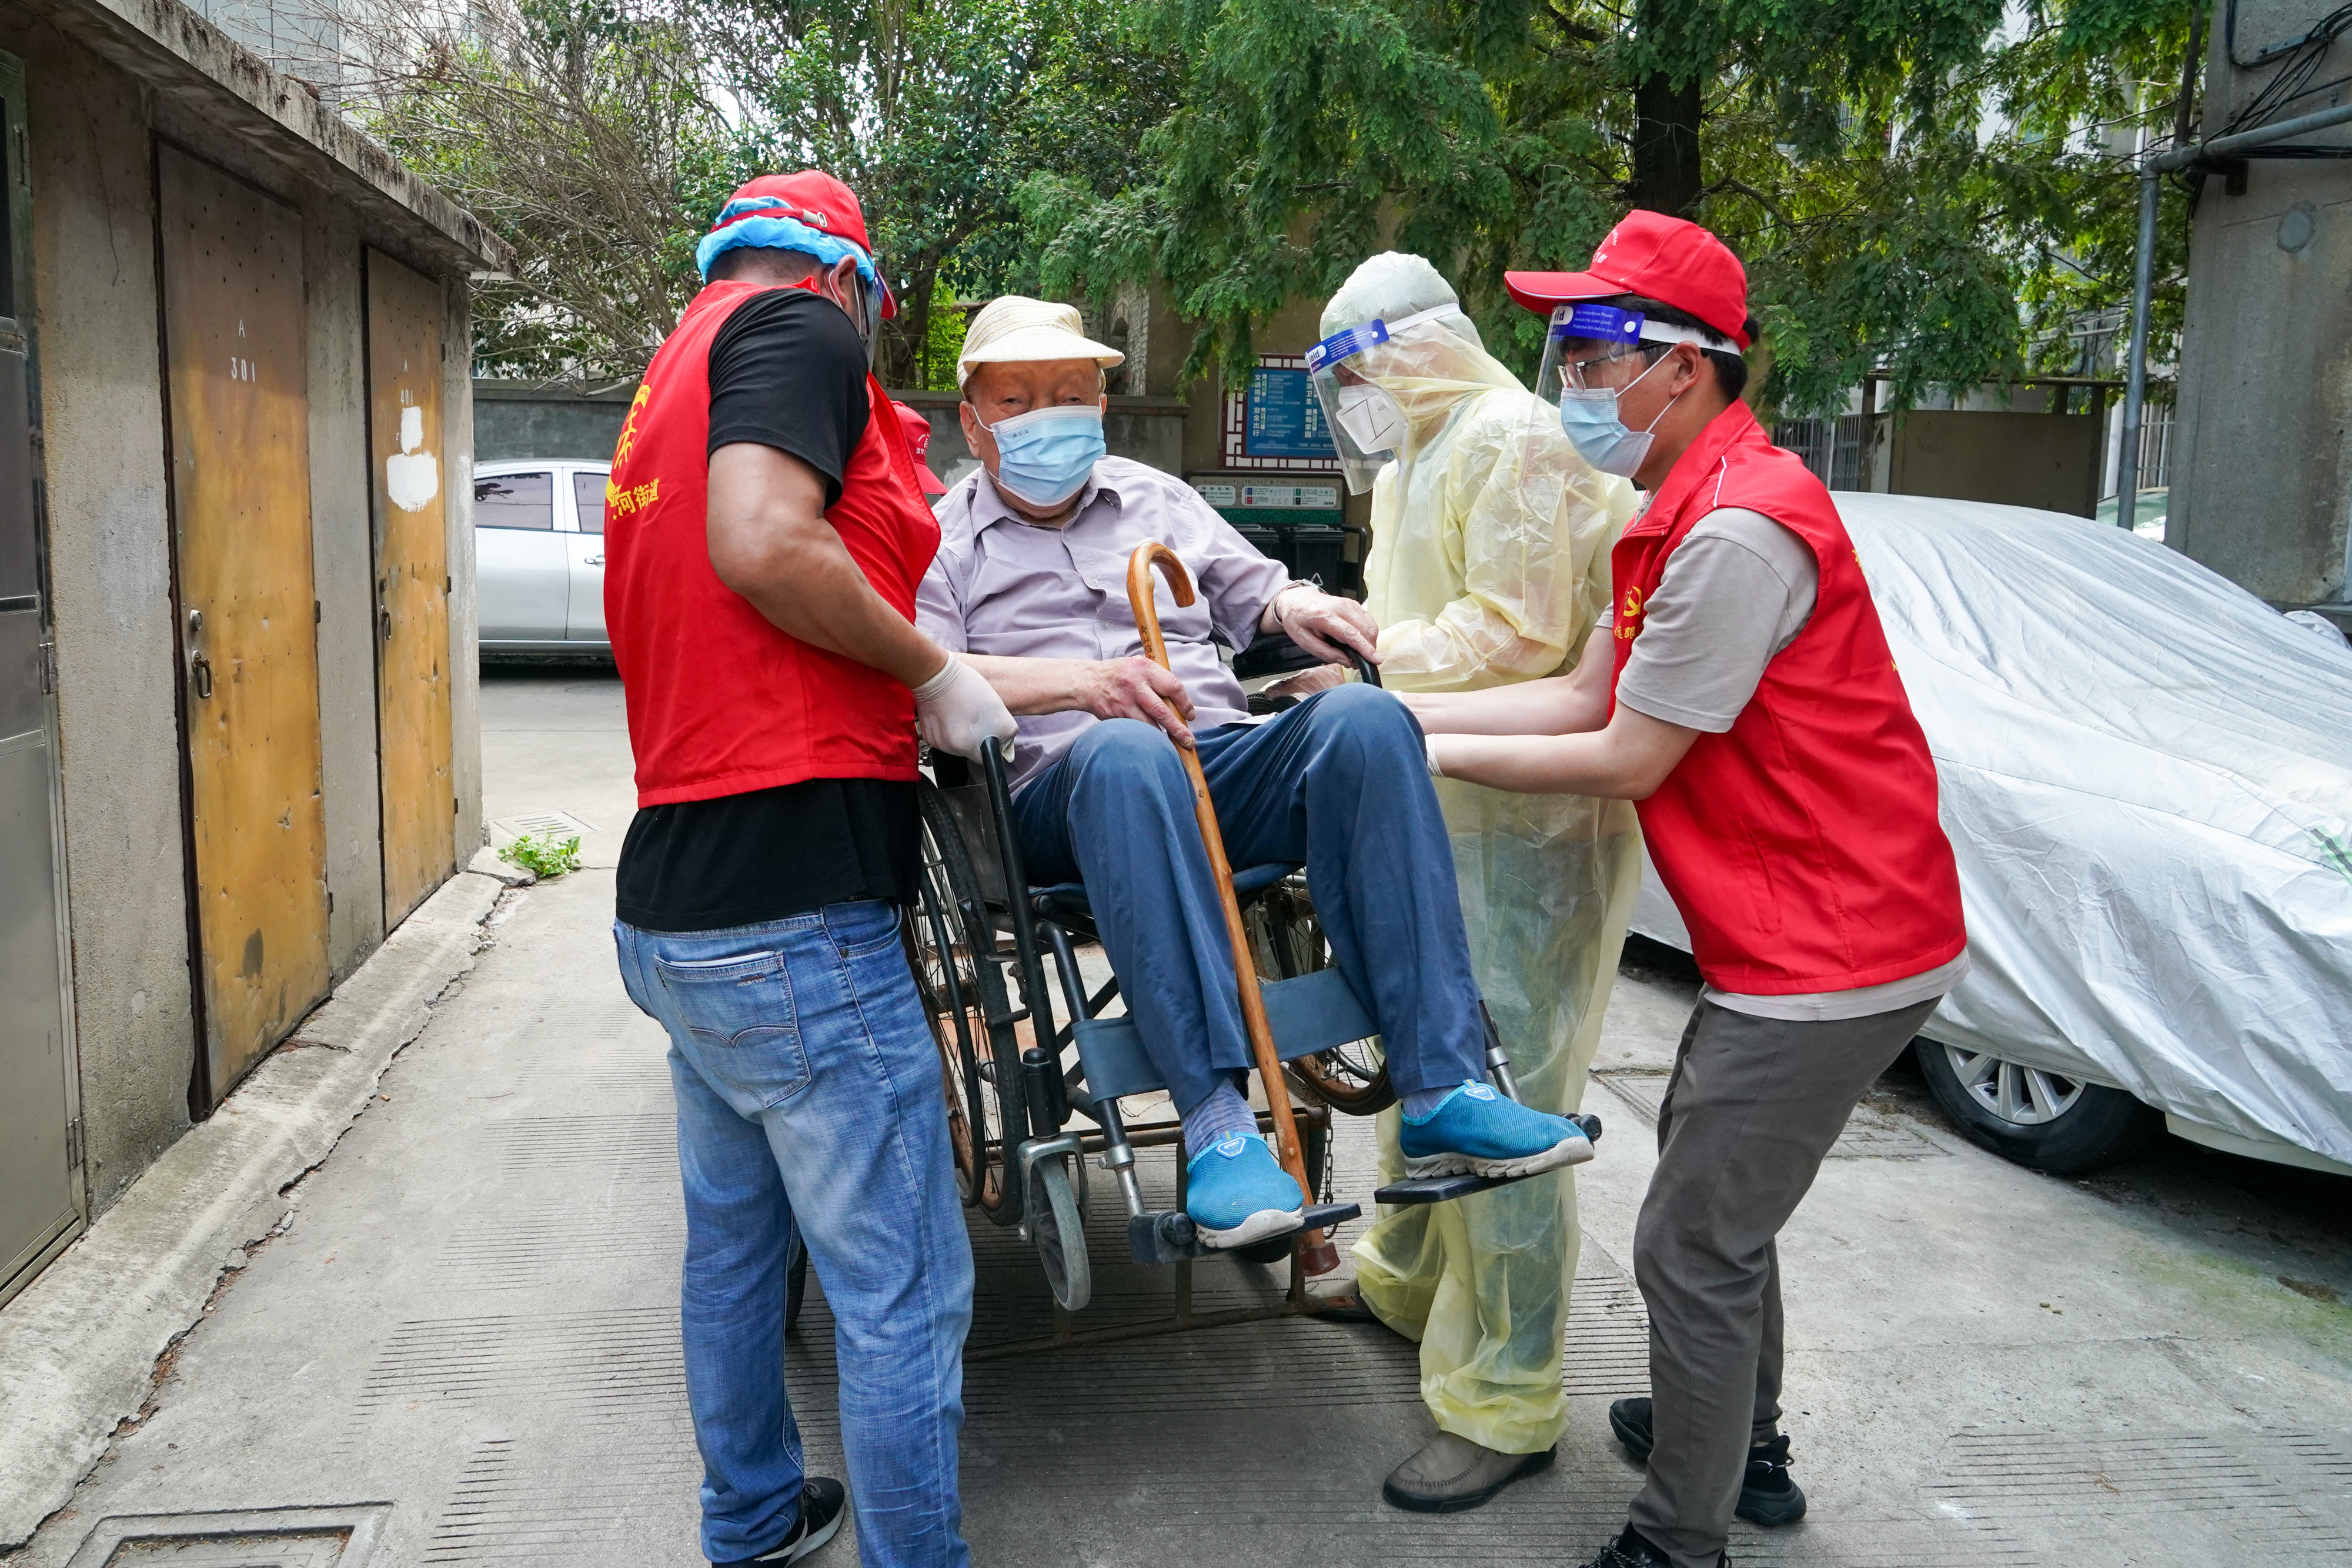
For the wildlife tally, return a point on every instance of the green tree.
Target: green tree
(598, 136)
(584, 137)
(1917, 186)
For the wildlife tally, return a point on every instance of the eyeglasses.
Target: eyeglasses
(1580, 371)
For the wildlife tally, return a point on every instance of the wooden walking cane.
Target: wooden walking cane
(1261, 1033)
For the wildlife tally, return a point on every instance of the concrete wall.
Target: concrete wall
(2045, 460)
(2262, 489)
(93, 130)
(342, 563)
(458, 442)
(95, 304)
(522, 421)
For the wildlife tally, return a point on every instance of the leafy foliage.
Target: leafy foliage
(1919, 187)
(543, 854)
(598, 136)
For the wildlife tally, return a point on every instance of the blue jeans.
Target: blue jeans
(808, 1095)
(1341, 783)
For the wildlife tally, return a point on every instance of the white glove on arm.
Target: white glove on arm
(957, 710)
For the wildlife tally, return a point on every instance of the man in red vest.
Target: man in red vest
(1746, 700)
(765, 528)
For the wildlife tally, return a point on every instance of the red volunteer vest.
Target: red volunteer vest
(1801, 845)
(721, 701)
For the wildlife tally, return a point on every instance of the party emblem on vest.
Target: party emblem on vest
(629, 429)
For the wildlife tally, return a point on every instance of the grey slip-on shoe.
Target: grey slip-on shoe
(1450, 1474)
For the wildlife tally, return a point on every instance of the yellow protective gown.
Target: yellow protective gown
(1490, 563)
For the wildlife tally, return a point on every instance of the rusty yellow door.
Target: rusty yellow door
(410, 483)
(240, 417)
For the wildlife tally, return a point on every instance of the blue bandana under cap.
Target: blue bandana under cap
(741, 232)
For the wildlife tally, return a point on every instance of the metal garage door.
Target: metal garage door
(410, 483)
(233, 309)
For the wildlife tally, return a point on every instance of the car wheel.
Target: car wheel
(2044, 1120)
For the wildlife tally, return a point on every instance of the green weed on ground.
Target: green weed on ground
(542, 855)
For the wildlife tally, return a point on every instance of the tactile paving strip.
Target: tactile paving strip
(2246, 1497)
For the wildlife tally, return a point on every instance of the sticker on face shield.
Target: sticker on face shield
(1601, 324)
(1354, 341)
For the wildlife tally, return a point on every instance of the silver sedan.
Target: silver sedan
(538, 553)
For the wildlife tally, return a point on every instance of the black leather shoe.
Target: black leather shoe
(822, 1506)
(1632, 1550)
(1768, 1495)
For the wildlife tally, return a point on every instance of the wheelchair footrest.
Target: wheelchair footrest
(1169, 1236)
(1446, 1188)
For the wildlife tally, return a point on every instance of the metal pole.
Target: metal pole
(2136, 371)
(2261, 136)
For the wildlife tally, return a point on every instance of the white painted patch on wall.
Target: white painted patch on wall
(412, 477)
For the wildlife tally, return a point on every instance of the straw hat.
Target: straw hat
(1014, 327)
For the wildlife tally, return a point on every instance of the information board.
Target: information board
(1283, 418)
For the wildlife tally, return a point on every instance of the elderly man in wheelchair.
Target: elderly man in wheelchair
(1029, 587)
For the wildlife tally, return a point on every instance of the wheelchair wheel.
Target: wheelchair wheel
(1352, 1078)
(1059, 1233)
(950, 941)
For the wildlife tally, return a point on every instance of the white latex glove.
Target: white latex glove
(1322, 623)
(957, 710)
(1306, 683)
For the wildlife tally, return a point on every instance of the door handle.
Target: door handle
(384, 622)
(595, 561)
(202, 669)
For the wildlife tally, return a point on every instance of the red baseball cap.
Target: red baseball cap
(1670, 260)
(813, 197)
(918, 436)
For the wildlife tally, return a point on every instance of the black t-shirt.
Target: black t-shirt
(787, 370)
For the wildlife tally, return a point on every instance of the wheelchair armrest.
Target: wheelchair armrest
(1273, 653)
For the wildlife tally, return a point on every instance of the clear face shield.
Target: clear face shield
(1590, 347)
(1367, 423)
(1591, 353)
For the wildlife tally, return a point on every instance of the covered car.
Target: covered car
(2147, 777)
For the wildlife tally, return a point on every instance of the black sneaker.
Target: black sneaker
(821, 1502)
(1632, 1550)
(1768, 1495)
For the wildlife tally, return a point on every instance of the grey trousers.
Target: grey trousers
(1752, 1107)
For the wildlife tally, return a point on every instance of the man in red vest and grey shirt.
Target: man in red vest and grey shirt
(765, 528)
(1746, 700)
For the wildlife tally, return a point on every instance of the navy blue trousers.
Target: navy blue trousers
(1338, 783)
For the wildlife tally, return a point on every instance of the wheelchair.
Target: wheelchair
(1032, 1094)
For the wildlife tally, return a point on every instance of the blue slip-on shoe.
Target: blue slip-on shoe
(1236, 1194)
(1473, 1129)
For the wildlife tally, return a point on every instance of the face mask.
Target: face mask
(1373, 419)
(1599, 437)
(1046, 455)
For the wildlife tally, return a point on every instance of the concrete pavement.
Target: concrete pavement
(462, 1346)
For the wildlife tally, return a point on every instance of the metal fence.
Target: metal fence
(2155, 447)
(1837, 450)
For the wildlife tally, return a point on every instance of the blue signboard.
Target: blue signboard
(1282, 418)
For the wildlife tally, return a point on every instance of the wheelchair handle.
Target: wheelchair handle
(1154, 557)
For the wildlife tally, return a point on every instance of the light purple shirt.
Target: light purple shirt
(1002, 587)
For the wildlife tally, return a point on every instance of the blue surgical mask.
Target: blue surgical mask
(1600, 436)
(1046, 455)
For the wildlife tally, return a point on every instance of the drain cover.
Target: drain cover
(562, 824)
(239, 1538)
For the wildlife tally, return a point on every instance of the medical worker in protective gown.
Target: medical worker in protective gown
(1490, 564)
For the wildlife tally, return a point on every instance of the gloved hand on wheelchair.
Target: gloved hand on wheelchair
(956, 710)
